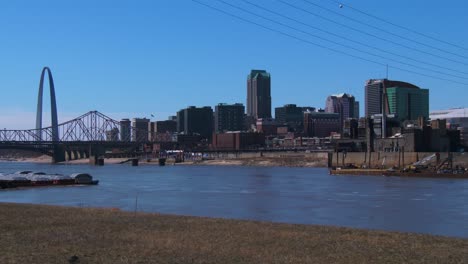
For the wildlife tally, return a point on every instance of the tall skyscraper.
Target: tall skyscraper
(343, 104)
(259, 94)
(406, 101)
(229, 117)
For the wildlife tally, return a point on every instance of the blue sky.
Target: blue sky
(137, 58)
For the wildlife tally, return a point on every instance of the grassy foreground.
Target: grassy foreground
(47, 234)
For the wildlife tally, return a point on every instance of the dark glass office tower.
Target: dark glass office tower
(259, 94)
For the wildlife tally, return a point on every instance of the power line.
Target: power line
(382, 30)
(337, 43)
(351, 40)
(370, 34)
(398, 26)
(322, 46)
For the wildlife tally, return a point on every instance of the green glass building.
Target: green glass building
(408, 103)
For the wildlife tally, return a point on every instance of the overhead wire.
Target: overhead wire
(352, 40)
(370, 34)
(336, 43)
(380, 19)
(322, 46)
(382, 29)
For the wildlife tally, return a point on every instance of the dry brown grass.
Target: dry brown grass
(47, 234)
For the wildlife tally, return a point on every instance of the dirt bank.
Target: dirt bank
(262, 161)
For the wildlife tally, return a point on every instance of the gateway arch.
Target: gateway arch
(53, 105)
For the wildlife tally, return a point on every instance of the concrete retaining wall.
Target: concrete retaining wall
(389, 159)
(378, 159)
(285, 154)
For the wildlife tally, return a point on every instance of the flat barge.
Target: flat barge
(390, 173)
(39, 179)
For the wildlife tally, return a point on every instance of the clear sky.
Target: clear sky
(137, 58)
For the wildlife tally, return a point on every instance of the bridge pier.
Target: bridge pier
(84, 154)
(96, 155)
(75, 153)
(68, 155)
(59, 154)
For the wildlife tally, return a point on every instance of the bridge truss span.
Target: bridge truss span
(90, 127)
(87, 135)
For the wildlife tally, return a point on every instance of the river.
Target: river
(277, 194)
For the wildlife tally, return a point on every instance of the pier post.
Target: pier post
(96, 155)
(403, 156)
(399, 158)
(59, 154)
(370, 160)
(337, 158)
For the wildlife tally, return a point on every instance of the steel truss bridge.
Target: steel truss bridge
(87, 135)
(92, 126)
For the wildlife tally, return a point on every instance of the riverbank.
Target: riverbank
(49, 234)
(285, 161)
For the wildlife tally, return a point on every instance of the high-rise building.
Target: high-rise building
(112, 135)
(151, 131)
(181, 121)
(343, 104)
(166, 126)
(125, 129)
(356, 110)
(140, 129)
(229, 117)
(292, 116)
(406, 101)
(288, 113)
(194, 120)
(259, 94)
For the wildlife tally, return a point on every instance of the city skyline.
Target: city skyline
(134, 61)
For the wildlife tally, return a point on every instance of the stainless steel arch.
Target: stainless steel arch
(53, 105)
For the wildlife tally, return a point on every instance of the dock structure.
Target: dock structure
(40, 179)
